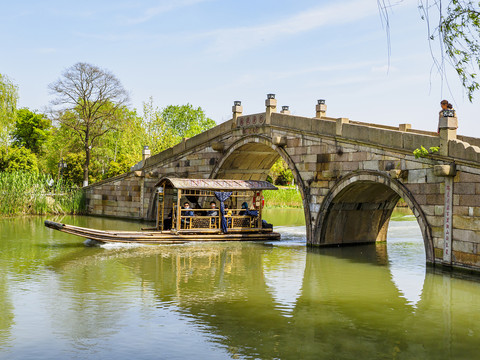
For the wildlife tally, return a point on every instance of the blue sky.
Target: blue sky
(211, 52)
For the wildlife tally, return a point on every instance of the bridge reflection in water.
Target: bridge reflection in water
(277, 301)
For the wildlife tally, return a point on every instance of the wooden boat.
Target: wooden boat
(238, 218)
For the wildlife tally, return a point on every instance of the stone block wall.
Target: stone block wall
(466, 219)
(118, 197)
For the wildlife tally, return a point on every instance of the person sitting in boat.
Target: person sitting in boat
(186, 212)
(167, 222)
(228, 214)
(213, 212)
(244, 208)
(227, 211)
(246, 211)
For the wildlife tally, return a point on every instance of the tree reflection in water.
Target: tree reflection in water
(247, 300)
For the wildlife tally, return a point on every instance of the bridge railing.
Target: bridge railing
(458, 147)
(387, 136)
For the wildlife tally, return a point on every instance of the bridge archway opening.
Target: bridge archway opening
(251, 158)
(250, 161)
(358, 210)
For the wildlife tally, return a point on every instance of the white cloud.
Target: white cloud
(227, 42)
(163, 7)
(326, 69)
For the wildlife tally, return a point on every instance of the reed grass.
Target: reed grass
(283, 197)
(25, 193)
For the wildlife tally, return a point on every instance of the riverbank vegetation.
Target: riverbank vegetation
(284, 197)
(30, 193)
(81, 138)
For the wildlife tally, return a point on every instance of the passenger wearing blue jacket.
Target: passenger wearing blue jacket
(186, 212)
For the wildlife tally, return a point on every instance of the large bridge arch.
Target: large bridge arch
(358, 208)
(251, 158)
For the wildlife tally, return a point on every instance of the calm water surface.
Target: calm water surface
(62, 300)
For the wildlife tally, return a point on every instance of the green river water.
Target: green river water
(61, 299)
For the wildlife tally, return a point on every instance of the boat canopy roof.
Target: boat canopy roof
(217, 184)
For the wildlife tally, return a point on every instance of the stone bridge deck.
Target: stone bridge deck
(350, 175)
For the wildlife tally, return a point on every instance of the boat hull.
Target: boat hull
(161, 237)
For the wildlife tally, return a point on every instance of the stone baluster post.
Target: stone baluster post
(145, 154)
(321, 109)
(237, 110)
(447, 127)
(271, 107)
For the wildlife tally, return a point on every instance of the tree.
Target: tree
(456, 27)
(280, 173)
(74, 170)
(8, 108)
(31, 130)
(88, 100)
(459, 31)
(62, 140)
(185, 120)
(158, 135)
(166, 127)
(18, 159)
(122, 147)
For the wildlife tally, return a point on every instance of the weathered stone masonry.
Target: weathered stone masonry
(350, 175)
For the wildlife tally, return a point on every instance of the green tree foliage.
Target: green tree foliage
(122, 147)
(61, 141)
(166, 127)
(93, 128)
(18, 159)
(31, 130)
(459, 30)
(185, 120)
(455, 24)
(280, 173)
(422, 152)
(118, 167)
(73, 173)
(8, 108)
(88, 100)
(158, 135)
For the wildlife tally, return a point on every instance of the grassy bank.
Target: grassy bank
(23, 193)
(283, 197)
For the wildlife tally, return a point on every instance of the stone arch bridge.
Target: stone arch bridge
(350, 175)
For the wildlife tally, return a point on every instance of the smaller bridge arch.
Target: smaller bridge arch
(358, 207)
